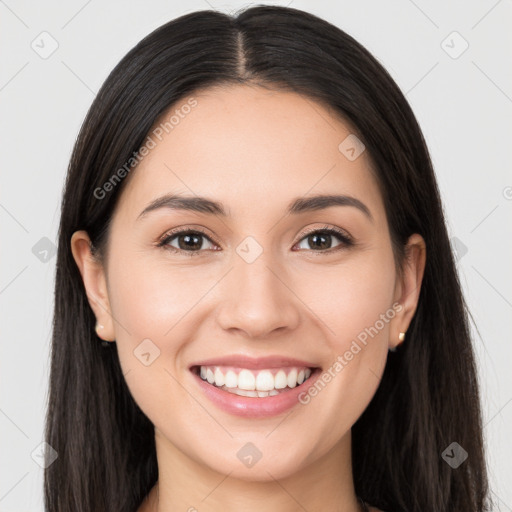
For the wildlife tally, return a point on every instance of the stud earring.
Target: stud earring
(99, 327)
(104, 343)
(401, 338)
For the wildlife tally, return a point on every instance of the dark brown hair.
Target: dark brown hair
(428, 396)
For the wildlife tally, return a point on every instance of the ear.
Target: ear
(408, 286)
(95, 283)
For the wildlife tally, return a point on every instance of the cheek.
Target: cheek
(150, 296)
(355, 309)
(154, 298)
(350, 298)
(151, 301)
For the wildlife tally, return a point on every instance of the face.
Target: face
(249, 290)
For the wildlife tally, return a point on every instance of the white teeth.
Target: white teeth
(280, 380)
(246, 380)
(264, 381)
(255, 383)
(219, 377)
(231, 379)
(292, 378)
(246, 392)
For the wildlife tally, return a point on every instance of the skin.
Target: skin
(254, 150)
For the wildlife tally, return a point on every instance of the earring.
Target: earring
(401, 338)
(104, 343)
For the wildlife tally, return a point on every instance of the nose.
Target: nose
(257, 300)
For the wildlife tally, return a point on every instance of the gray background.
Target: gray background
(462, 99)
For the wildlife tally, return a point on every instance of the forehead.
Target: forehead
(249, 148)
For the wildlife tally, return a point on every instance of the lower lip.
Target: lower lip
(252, 407)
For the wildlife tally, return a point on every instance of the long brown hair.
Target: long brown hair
(428, 397)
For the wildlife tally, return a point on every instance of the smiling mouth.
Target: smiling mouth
(254, 383)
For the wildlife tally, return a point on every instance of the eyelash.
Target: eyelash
(345, 239)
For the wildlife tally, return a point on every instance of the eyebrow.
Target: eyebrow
(296, 206)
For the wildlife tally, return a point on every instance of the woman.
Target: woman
(256, 300)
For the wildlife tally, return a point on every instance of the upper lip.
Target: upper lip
(254, 363)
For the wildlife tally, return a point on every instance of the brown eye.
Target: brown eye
(320, 240)
(187, 240)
